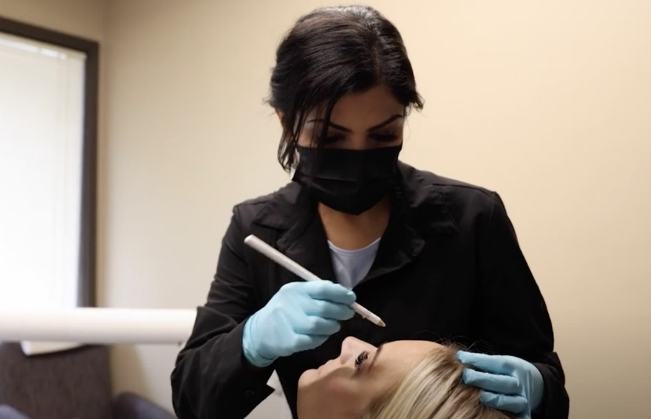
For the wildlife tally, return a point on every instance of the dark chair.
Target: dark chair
(69, 384)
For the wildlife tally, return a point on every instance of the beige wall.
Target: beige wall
(545, 102)
(83, 18)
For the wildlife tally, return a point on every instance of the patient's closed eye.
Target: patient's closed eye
(361, 358)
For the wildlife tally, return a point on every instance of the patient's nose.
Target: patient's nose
(351, 347)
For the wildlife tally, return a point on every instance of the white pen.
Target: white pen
(294, 267)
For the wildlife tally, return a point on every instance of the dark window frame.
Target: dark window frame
(87, 252)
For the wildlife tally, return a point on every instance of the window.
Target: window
(48, 106)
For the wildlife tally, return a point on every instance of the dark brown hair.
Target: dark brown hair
(328, 53)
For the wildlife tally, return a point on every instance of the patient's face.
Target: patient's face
(341, 389)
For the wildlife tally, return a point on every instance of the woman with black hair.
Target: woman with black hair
(436, 258)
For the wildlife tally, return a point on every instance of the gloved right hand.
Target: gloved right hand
(301, 315)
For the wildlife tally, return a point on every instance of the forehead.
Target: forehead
(408, 347)
(374, 102)
(400, 355)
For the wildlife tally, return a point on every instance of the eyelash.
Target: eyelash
(378, 137)
(360, 359)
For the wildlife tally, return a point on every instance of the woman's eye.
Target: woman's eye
(360, 359)
(378, 137)
(330, 140)
(385, 137)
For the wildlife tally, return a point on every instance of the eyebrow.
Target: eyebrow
(375, 355)
(373, 128)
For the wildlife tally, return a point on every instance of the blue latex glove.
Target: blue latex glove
(300, 316)
(507, 382)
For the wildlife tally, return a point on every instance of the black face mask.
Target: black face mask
(350, 181)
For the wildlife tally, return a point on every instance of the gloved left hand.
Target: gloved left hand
(507, 382)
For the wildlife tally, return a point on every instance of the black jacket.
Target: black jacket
(448, 268)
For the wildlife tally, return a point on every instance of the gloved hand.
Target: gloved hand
(300, 316)
(507, 382)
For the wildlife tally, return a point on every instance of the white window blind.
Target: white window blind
(41, 137)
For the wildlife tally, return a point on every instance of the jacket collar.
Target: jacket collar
(420, 209)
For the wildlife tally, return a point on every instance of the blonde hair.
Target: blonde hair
(433, 389)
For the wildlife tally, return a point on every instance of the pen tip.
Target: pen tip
(382, 324)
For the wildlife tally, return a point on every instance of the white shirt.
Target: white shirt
(351, 266)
